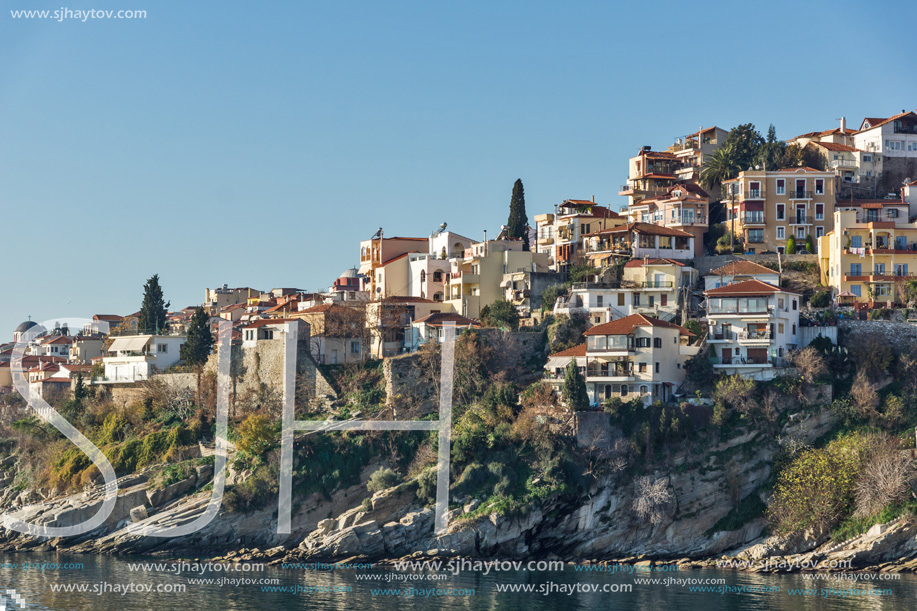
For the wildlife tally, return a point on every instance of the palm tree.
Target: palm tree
(721, 165)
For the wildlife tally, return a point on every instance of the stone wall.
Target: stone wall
(705, 264)
(892, 332)
(894, 171)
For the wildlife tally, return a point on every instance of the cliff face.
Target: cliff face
(700, 491)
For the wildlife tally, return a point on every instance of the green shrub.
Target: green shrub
(383, 479)
(820, 299)
(257, 434)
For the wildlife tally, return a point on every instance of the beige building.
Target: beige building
(638, 241)
(474, 281)
(384, 262)
(871, 253)
(763, 209)
(560, 235)
(684, 206)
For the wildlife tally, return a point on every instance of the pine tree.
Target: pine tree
(199, 345)
(516, 225)
(80, 392)
(574, 390)
(152, 318)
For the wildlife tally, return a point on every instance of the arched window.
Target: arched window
(437, 296)
(437, 276)
(363, 253)
(423, 275)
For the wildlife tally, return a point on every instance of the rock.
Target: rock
(326, 526)
(471, 506)
(168, 494)
(138, 514)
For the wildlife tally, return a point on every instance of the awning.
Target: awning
(506, 284)
(127, 344)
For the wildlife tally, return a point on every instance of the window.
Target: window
(643, 342)
(867, 158)
(781, 212)
(780, 233)
(642, 367)
(620, 299)
(893, 145)
(819, 232)
(163, 348)
(794, 329)
(819, 186)
(657, 367)
(596, 320)
(856, 241)
(856, 289)
(819, 212)
(780, 327)
(437, 276)
(756, 236)
(355, 347)
(901, 269)
(636, 300)
(794, 307)
(880, 269)
(754, 190)
(423, 275)
(657, 342)
(598, 301)
(800, 233)
(856, 269)
(781, 186)
(912, 146)
(883, 290)
(892, 213)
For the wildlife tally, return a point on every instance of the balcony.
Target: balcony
(655, 284)
(736, 361)
(801, 219)
(610, 376)
(799, 194)
(753, 218)
(755, 194)
(842, 163)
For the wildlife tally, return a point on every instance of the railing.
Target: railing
(752, 335)
(655, 284)
(755, 194)
(754, 218)
(843, 163)
(802, 219)
(906, 129)
(609, 374)
(800, 194)
(755, 240)
(627, 188)
(724, 336)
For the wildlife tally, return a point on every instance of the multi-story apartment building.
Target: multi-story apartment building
(740, 271)
(384, 262)
(635, 356)
(871, 252)
(560, 235)
(893, 141)
(684, 206)
(693, 150)
(650, 173)
(637, 241)
(765, 208)
(475, 281)
(653, 287)
(849, 164)
(752, 325)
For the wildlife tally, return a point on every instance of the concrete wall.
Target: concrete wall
(808, 334)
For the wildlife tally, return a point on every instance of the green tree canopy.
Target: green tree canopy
(776, 154)
(153, 311)
(199, 345)
(518, 219)
(721, 165)
(574, 391)
(500, 313)
(746, 142)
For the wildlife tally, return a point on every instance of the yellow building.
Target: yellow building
(870, 254)
(763, 209)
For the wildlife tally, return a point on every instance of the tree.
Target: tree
(500, 313)
(722, 165)
(80, 392)
(775, 154)
(574, 390)
(199, 345)
(383, 479)
(257, 434)
(810, 244)
(516, 225)
(791, 246)
(746, 142)
(152, 317)
(810, 363)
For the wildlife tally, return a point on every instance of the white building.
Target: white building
(740, 271)
(133, 358)
(752, 326)
(431, 328)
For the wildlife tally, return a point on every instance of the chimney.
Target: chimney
(843, 125)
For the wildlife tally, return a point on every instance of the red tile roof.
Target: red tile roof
(269, 321)
(626, 325)
(393, 259)
(800, 169)
(407, 299)
(645, 228)
(108, 317)
(438, 319)
(642, 262)
(658, 154)
(877, 122)
(741, 268)
(574, 351)
(747, 287)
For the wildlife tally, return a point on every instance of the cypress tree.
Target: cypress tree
(199, 344)
(152, 318)
(518, 219)
(574, 390)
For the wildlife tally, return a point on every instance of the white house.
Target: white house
(271, 329)
(133, 358)
(752, 325)
(740, 271)
(430, 328)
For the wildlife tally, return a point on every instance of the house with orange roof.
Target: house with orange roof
(693, 150)
(388, 320)
(561, 235)
(752, 327)
(338, 334)
(431, 328)
(653, 287)
(765, 208)
(637, 241)
(740, 271)
(634, 356)
(851, 166)
(684, 206)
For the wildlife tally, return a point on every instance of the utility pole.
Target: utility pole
(732, 213)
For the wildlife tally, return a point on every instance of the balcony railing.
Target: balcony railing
(801, 219)
(754, 218)
(843, 163)
(755, 194)
(800, 194)
(655, 284)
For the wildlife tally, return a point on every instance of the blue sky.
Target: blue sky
(257, 145)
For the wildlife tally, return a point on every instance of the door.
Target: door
(757, 355)
(334, 357)
(620, 299)
(727, 356)
(663, 300)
